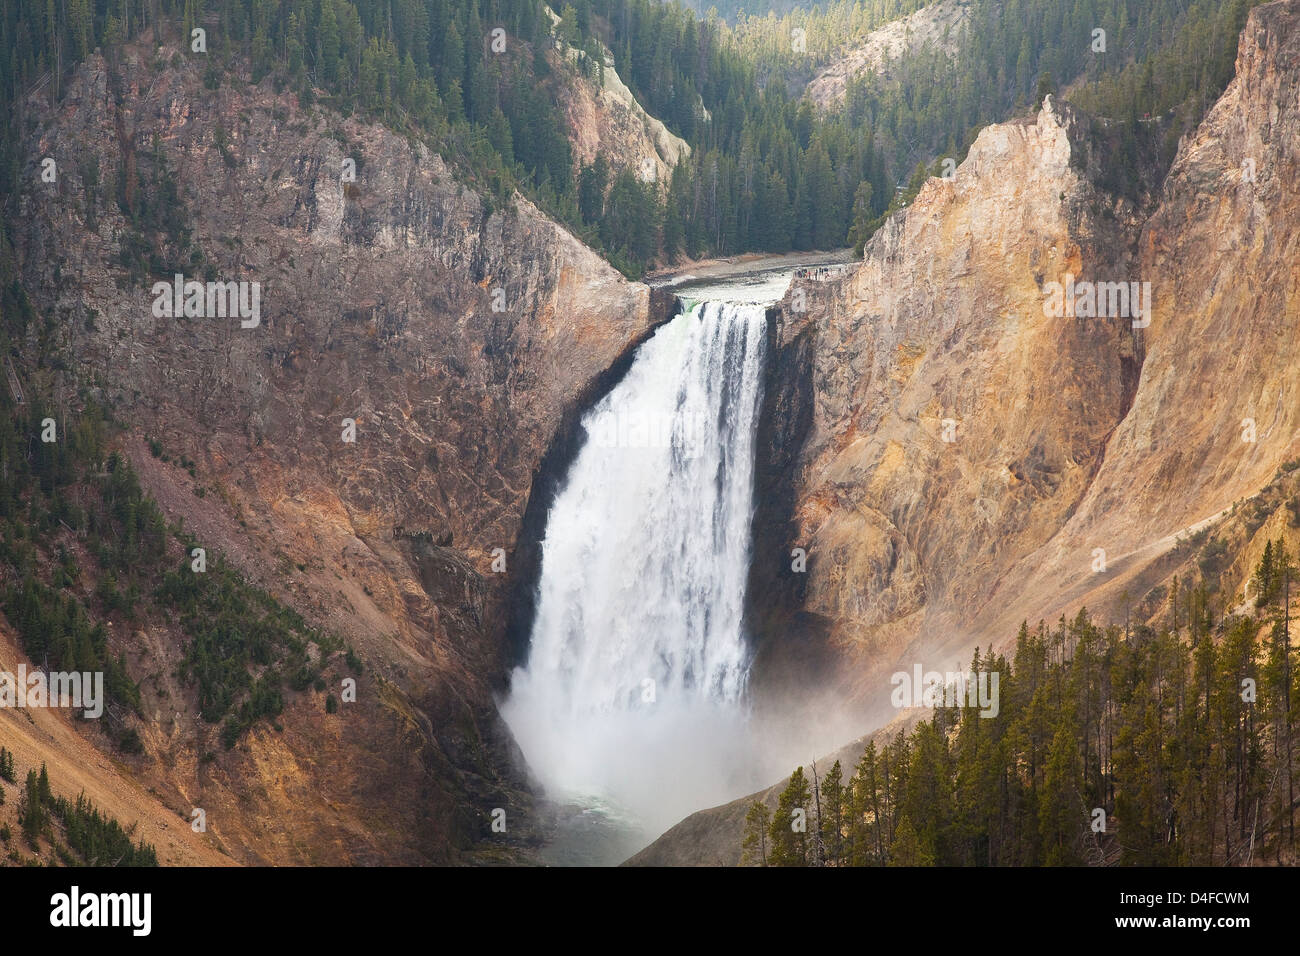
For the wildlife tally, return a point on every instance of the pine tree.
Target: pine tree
(907, 848)
(1265, 576)
(1285, 570)
(789, 828)
(327, 41)
(31, 811)
(866, 827)
(754, 844)
(832, 815)
(1061, 813)
(1046, 88)
(592, 180)
(863, 217)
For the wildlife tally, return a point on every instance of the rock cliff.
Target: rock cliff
(972, 461)
(453, 337)
(604, 118)
(955, 426)
(1068, 436)
(938, 26)
(1216, 411)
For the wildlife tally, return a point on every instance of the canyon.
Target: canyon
(949, 457)
(458, 339)
(1066, 437)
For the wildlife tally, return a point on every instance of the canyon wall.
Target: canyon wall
(973, 462)
(1222, 252)
(938, 26)
(955, 426)
(458, 335)
(1066, 436)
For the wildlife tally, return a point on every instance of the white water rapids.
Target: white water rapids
(633, 692)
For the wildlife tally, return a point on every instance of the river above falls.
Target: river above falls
(756, 280)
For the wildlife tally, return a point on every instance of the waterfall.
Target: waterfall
(633, 691)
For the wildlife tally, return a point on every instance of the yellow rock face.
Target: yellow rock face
(1068, 435)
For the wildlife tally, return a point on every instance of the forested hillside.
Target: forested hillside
(1117, 744)
(842, 170)
(82, 548)
(768, 173)
(56, 829)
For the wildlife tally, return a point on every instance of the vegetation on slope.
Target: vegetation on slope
(768, 171)
(76, 831)
(1111, 745)
(83, 548)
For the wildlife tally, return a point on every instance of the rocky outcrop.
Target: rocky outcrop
(1090, 461)
(939, 26)
(1222, 254)
(1070, 437)
(973, 461)
(451, 335)
(956, 426)
(604, 118)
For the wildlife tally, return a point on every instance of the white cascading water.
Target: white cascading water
(632, 694)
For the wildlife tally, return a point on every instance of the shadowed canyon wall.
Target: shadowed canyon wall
(461, 339)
